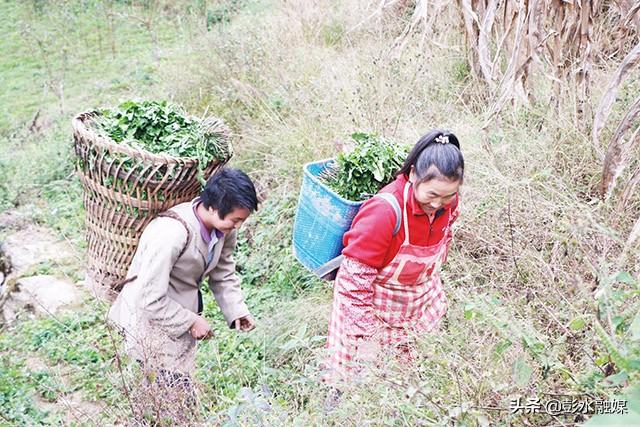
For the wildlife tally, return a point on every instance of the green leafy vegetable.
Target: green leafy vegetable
(371, 164)
(163, 128)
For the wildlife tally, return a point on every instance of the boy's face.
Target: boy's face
(233, 220)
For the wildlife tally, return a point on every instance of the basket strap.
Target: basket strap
(167, 214)
(328, 267)
(391, 199)
(172, 214)
(325, 270)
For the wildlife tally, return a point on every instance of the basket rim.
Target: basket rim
(79, 126)
(315, 179)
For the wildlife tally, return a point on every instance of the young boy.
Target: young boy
(159, 308)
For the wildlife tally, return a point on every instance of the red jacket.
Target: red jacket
(370, 239)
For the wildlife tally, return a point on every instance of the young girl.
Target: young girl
(388, 287)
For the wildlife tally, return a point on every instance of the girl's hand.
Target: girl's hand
(200, 329)
(245, 323)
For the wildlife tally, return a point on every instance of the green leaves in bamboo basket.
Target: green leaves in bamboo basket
(164, 128)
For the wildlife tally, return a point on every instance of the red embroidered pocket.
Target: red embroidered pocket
(411, 273)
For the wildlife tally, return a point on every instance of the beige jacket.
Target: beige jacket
(157, 309)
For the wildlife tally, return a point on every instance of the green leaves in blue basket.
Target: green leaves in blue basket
(370, 165)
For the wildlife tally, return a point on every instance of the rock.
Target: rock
(34, 245)
(14, 219)
(41, 296)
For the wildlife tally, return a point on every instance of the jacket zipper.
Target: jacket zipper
(435, 216)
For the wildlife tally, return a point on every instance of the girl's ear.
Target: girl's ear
(412, 174)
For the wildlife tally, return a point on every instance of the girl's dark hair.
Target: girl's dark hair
(430, 151)
(229, 189)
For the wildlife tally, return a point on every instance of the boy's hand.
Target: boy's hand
(245, 323)
(201, 329)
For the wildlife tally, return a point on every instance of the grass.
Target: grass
(543, 293)
(73, 354)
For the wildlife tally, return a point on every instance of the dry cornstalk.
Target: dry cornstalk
(509, 40)
(425, 14)
(618, 152)
(604, 109)
(483, 42)
(495, 50)
(628, 192)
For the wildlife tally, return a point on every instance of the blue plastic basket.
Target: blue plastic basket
(322, 218)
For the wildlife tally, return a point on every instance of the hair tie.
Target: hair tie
(442, 139)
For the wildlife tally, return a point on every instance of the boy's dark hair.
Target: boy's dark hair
(439, 148)
(228, 189)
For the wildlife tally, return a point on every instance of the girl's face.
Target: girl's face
(435, 193)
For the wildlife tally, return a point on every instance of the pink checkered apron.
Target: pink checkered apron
(408, 299)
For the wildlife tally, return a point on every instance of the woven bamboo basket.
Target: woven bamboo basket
(124, 189)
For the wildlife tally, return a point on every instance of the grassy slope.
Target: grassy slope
(290, 80)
